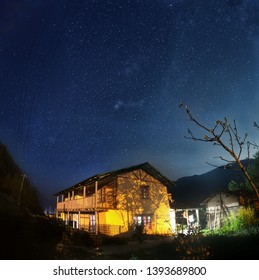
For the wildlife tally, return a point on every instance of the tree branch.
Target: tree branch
(234, 140)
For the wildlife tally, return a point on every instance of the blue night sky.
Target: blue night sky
(91, 86)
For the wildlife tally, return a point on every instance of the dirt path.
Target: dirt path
(132, 246)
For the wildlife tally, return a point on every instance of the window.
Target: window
(145, 220)
(92, 223)
(144, 192)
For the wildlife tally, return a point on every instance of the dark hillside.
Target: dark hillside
(25, 236)
(11, 177)
(25, 232)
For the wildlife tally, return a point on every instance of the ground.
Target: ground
(170, 248)
(25, 238)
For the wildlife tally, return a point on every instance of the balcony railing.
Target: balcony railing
(84, 203)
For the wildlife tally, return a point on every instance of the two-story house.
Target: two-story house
(115, 202)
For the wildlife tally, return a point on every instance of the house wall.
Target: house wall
(113, 222)
(130, 203)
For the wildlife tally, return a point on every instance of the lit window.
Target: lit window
(145, 220)
(144, 192)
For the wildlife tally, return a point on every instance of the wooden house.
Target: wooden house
(219, 206)
(115, 202)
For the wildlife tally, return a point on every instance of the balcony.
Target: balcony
(85, 203)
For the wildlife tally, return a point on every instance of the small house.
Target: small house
(219, 206)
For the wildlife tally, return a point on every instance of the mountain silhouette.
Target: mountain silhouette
(191, 191)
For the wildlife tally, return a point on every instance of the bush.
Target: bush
(191, 247)
(243, 221)
(76, 237)
(246, 217)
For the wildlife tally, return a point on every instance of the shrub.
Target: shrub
(246, 217)
(191, 247)
(243, 221)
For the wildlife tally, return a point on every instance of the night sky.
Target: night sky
(91, 86)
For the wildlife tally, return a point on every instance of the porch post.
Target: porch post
(187, 211)
(198, 218)
(79, 215)
(95, 208)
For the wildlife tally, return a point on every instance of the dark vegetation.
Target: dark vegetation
(28, 238)
(191, 247)
(11, 184)
(25, 232)
(206, 247)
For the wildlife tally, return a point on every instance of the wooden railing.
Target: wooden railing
(83, 204)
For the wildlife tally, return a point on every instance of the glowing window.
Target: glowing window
(143, 219)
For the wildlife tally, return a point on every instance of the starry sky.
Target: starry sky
(91, 86)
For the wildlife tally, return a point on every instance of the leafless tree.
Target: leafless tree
(226, 135)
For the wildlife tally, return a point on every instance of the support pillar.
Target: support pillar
(95, 209)
(198, 218)
(79, 219)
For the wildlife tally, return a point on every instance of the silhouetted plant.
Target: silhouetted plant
(139, 232)
(191, 247)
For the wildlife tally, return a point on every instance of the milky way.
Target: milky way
(91, 86)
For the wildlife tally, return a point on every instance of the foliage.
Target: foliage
(29, 237)
(245, 186)
(246, 217)
(11, 182)
(76, 237)
(191, 247)
(234, 186)
(241, 223)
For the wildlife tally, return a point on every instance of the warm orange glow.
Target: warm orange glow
(129, 197)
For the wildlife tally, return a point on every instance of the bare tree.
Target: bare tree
(226, 135)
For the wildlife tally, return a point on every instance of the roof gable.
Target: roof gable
(144, 166)
(226, 192)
